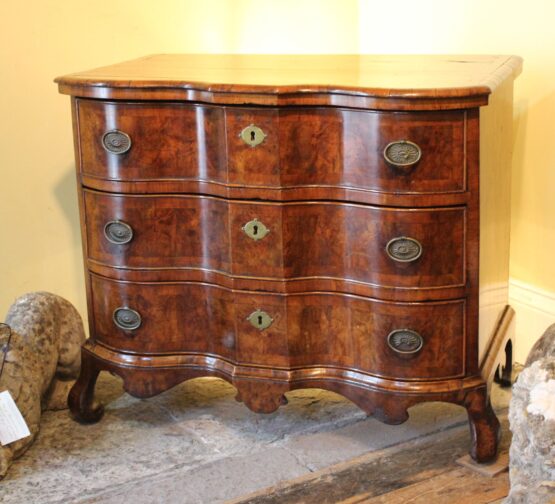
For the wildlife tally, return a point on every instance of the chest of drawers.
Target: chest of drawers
(283, 222)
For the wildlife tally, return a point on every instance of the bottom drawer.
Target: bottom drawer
(392, 340)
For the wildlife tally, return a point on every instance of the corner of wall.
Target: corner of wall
(535, 312)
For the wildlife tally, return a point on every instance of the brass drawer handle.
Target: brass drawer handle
(252, 135)
(118, 232)
(126, 318)
(255, 229)
(404, 249)
(402, 154)
(260, 319)
(116, 142)
(405, 341)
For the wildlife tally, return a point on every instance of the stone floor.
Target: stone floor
(196, 444)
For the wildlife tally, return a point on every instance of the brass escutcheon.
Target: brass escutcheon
(255, 229)
(260, 319)
(252, 135)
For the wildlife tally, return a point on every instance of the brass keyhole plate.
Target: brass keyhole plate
(260, 319)
(252, 135)
(255, 229)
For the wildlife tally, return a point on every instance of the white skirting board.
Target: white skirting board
(535, 312)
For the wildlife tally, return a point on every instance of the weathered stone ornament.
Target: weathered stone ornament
(532, 419)
(42, 361)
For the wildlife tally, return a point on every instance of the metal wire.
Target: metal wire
(5, 341)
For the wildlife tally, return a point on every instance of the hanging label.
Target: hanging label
(12, 424)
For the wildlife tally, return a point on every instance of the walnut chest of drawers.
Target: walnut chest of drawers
(281, 222)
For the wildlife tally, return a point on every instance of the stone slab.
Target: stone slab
(218, 481)
(195, 430)
(399, 474)
(492, 469)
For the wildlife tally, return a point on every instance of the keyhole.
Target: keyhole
(259, 320)
(255, 230)
(253, 136)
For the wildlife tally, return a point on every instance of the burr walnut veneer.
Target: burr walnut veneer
(282, 222)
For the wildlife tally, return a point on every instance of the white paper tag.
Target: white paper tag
(12, 424)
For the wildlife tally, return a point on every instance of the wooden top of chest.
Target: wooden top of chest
(366, 81)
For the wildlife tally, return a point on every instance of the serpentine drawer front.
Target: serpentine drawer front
(384, 247)
(317, 329)
(296, 221)
(391, 152)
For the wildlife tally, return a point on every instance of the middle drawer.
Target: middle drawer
(388, 247)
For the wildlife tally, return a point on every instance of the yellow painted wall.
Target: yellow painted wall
(39, 40)
(494, 27)
(39, 240)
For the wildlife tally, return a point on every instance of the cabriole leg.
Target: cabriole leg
(81, 397)
(484, 425)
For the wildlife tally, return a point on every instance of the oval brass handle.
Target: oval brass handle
(116, 142)
(260, 319)
(404, 249)
(252, 135)
(118, 232)
(126, 318)
(402, 154)
(405, 341)
(255, 229)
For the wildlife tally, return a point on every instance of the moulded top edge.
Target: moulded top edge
(281, 78)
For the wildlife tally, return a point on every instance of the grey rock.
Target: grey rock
(532, 421)
(544, 347)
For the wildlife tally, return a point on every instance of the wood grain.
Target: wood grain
(320, 183)
(309, 241)
(458, 486)
(316, 329)
(367, 81)
(495, 150)
(304, 149)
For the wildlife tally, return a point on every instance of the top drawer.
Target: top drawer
(216, 148)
